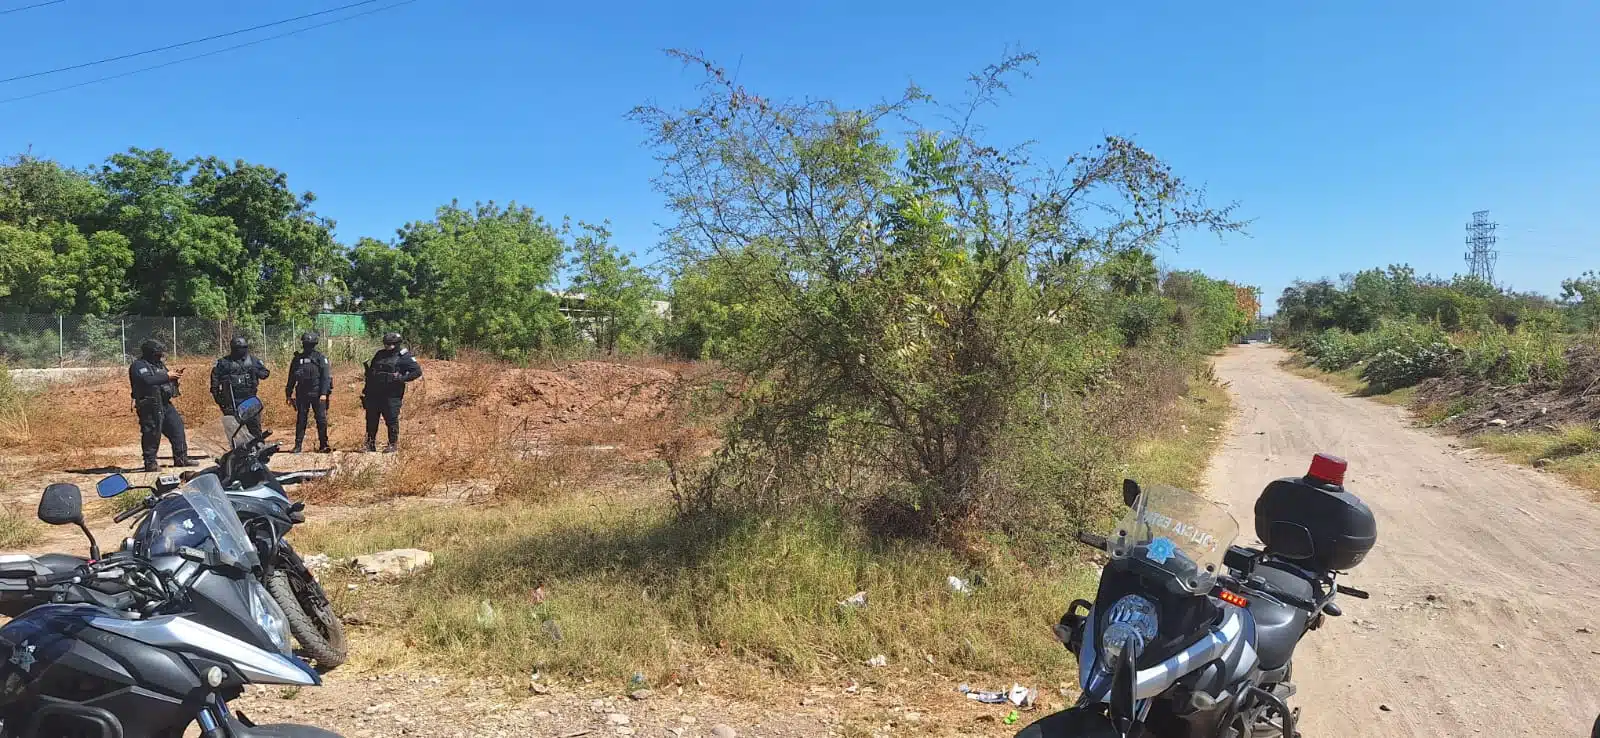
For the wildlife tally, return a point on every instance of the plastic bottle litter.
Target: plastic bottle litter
(858, 599)
(959, 585)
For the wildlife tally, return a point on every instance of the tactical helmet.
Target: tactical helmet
(310, 338)
(152, 347)
(239, 343)
(391, 339)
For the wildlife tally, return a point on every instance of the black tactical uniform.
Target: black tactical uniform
(309, 387)
(152, 389)
(235, 378)
(385, 390)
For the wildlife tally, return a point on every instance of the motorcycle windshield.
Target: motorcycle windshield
(1176, 531)
(199, 516)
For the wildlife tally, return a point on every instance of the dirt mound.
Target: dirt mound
(588, 390)
(1469, 405)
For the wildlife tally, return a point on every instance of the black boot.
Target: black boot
(324, 449)
(183, 461)
(391, 448)
(296, 448)
(372, 445)
(151, 466)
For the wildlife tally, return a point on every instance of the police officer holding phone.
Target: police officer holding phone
(153, 389)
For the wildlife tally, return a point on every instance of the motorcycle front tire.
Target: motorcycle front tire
(320, 634)
(1072, 724)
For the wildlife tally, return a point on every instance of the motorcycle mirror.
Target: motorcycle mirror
(61, 504)
(1291, 541)
(1130, 492)
(112, 486)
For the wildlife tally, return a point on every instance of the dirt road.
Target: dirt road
(1485, 609)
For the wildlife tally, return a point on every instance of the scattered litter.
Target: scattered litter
(878, 661)
(1498, 422)
(316, 563)
(1384, 708)
(858, 599)
(853, 688)
(1499, 646)
(1585, 630)
(1018, 695)
(958, 585)
(988, 698)
(1012, 718)
(538, 595)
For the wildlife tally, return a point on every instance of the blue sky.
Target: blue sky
(1354, 134)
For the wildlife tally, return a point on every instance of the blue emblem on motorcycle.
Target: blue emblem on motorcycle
(1160, 550)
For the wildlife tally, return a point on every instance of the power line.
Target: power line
(214, 52)
(31, 7)
(170, 47)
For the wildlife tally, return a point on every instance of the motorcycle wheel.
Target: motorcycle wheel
(318, 629)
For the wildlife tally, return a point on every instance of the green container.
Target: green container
(342, 324)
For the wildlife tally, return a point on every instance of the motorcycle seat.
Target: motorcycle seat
(59, 563)
(1279, 626)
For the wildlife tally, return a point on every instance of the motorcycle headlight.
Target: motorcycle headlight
(1132, 615)
(270, 617)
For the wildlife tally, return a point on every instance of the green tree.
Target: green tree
(51, 256)
(380, 278)
(1581, 294)
(284, 270)
(184, 261)
(480, 277)
(616, 294)
(923, 292)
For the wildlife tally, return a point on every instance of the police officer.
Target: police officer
(387, 374)
(153, 388)
(310, 385)
(236, 377)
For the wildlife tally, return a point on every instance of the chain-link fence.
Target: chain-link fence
(44, 341)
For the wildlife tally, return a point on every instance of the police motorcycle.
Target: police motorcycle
(1190, 636)
(264, 508)
(146, 643)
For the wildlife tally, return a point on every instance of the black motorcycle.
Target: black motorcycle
(1192, 637)
(146, 643)
(264, 508)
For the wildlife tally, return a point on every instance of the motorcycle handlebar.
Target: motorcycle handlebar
(52, 580)
(128, 513)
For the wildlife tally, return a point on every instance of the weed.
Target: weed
(16, 529)
(625, 586)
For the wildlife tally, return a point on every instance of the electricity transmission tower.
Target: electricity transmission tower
(1481, 240)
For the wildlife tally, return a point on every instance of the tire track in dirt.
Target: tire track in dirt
(1485, 609)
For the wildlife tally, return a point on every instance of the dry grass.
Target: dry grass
(16, 528)
(604, 583)
(1180, 455)
(628, 587)
(1572, 451)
